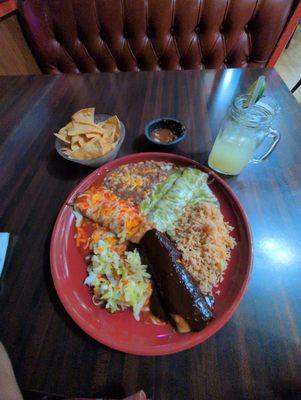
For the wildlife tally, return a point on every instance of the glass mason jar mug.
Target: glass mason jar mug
(242, 133)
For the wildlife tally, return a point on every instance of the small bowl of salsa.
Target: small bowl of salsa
(165, 131)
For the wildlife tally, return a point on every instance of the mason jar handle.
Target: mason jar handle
(275, 136)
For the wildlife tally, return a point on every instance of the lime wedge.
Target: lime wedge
(255, 92)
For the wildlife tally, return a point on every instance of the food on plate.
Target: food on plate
(122, 217)
(136, 181)
(204, 239)
(190, 187)
(158, 315)
(118, 282)
(162, 135)
(159, 191)
(117, 278)
(154, 239)
(88, 234)
(84, 228)
(86, 139)
(101, 234)
(180, 295)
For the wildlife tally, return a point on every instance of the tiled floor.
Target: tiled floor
(289, 63)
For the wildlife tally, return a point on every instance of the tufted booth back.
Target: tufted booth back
(74, 36)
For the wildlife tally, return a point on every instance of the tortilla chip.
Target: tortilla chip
(84, 115)
(87, 140)
(78, 154)
(94, 148)
(108, 132)
(114, 121)
(106, 147)
(62, 137)
(77, 139)
(66, 150)
(79, 128)
(75, 146)
(91, 149)
(64, 130)
(93, 135)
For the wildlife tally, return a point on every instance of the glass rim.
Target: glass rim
(260, 113)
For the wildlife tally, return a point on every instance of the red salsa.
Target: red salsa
(163, 135)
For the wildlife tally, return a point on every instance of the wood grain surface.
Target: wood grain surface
(257, 355)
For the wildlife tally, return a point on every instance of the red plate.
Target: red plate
(120, 330)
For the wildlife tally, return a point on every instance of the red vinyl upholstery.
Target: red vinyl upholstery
(74, 36)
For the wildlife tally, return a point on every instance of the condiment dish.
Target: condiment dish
(175, 126)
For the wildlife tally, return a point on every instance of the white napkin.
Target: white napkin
(4, 239)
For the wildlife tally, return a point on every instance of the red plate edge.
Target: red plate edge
(136, 157)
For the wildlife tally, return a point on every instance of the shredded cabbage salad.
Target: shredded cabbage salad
(190, 187)
(160, 190)
(120, 282)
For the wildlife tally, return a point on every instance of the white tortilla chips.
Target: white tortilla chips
(85, 140)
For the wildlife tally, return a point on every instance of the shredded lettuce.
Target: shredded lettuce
(78, 218)
(121, 282)
(189, 188)
(160, 190)
(203, 194)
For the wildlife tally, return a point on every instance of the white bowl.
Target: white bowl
(94, 162)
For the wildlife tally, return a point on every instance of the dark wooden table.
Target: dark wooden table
(257, 355)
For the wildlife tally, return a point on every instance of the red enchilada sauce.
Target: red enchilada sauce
(83, 234)
(163, 135)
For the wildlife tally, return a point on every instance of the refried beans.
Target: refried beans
(136, 181)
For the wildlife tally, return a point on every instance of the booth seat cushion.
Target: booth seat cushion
(74, 36)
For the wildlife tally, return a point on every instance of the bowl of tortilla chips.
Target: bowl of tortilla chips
(90, 139)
